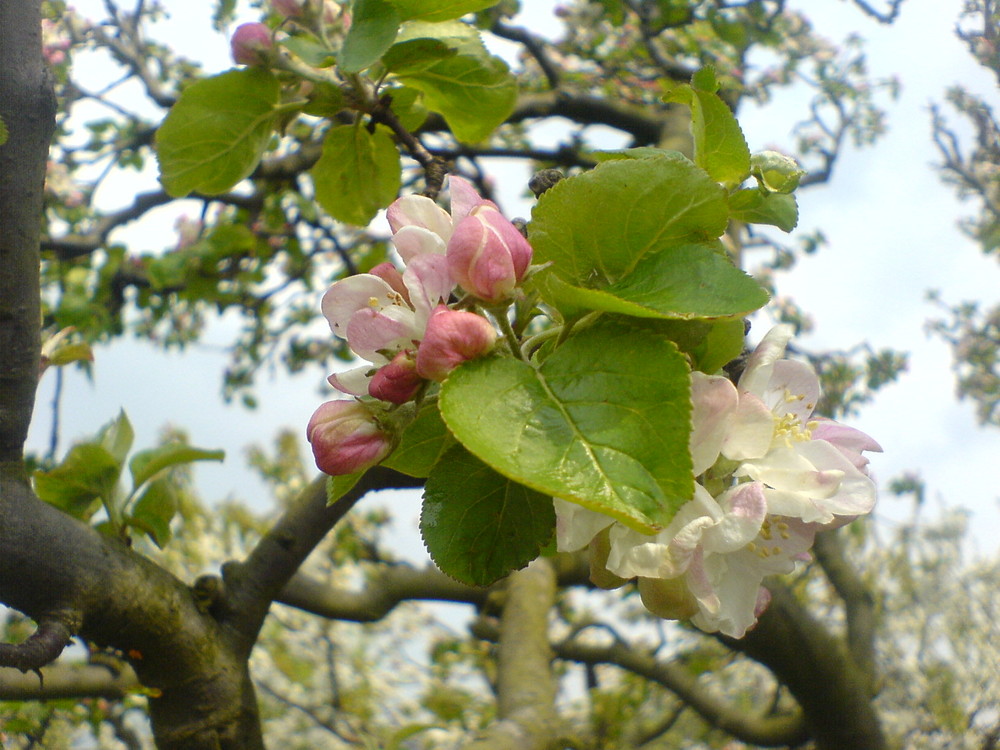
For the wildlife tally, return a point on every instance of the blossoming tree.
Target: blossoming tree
(573, 393)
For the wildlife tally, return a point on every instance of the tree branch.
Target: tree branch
(251, 585)
(54, 567)
(60, 681)
(75, 246)
(386, 588)
(526, 690)
(27, 107)
(766, 731)
(817, 670)
(859, 603)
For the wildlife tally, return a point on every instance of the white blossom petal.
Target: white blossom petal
(354, 381)
(760, 364)
(412, 242)
(751, 431)
(347, 296)
(714, 400)
(419, 211)
(576, 525)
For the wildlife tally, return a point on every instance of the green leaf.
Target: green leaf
(719, 146)
(597, 226)
(69, 353)
(473, 90)
(682, 281)
(338, 486)
(479, 525)
(88, 472)
(422, 443)
(755, 206)
(217, 131)
(357, 174)
(154, 510)
(414, 55)
(439, 10)
(639, 152)
(325, 100)
(117, 437)
(409, 107)
(603, 422)
(145, 464)
(4, 133)
(374, 24)
(723, 344)
(708, 344)
(311, 50)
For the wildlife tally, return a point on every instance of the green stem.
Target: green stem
(538, 339)
(508, 332)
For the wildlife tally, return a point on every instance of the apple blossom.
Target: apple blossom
(487, 255)
(251, 44)
(346, 437)
(783, 476)
(380, 317)
(419, 225)
(812, 469)
(451, 338)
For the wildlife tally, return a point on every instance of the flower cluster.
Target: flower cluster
(770, 477)
(400, 323)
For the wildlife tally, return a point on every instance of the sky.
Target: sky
(892, 234)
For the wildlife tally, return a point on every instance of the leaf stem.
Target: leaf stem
(508, 331)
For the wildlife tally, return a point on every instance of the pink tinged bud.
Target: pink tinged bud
(464, 198)
(345, 438)
(452, 337)
(251, 44)
(398, 381)
(487, 256)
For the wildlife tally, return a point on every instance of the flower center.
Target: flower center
(769, 531)
(789, 428)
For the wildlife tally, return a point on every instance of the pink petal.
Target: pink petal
(429, 284)
(372, 334)
(464, 198)
(354, 293)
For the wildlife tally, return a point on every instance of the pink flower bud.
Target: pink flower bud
(251, 44)
(398, 381)
(451, 338)
(487, 256)
(346, 438)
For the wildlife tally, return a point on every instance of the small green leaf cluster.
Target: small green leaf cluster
(375, 82)
(89, 478)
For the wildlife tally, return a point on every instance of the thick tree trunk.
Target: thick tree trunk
(27, 106)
